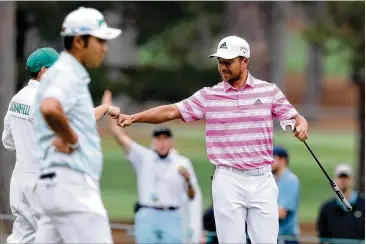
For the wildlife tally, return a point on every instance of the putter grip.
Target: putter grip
(341, 196)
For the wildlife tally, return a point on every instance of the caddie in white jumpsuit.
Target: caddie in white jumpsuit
(18, 135)
(68, 143)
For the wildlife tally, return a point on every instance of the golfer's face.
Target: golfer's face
(230, 69)
(95, 52)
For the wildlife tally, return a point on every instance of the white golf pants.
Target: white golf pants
(245, 196)
(72, 209)
(23, 206)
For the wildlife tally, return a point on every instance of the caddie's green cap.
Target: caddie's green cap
(43, 57)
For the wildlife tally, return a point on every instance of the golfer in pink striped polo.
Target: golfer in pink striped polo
(239, 114)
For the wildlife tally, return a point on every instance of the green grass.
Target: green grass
(119, 181)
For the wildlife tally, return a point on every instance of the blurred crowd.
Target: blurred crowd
(334, 223)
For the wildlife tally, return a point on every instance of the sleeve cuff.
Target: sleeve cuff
(180, 107)
(290, 114)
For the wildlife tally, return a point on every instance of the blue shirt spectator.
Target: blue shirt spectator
(289, 195)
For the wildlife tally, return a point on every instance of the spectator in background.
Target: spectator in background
(164, 177)
(334, 221)
(288, 198)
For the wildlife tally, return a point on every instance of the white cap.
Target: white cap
(343, 169)
(88, 21)
(231, 47)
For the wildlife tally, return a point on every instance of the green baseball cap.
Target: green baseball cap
(43, 57)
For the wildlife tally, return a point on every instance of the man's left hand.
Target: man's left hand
(301, 132)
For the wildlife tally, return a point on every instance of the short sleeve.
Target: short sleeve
(63, 87)
(288, 195)
(136, 154)
(281, 107)
(193, 108)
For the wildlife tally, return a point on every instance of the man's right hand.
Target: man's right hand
(124, 120)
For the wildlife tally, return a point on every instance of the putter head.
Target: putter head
(286, 123)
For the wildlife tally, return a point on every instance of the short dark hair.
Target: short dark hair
(162, 131)
(33, 75)
(67, 41)
(281, 152)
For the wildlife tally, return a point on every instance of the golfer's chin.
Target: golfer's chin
(225, 77)
(95, 64)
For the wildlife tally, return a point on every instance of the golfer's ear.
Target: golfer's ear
(245, 62)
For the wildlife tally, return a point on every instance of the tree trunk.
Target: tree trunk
(358, 77)
(7, 88)
(273, 17)
(315, 64)
(123, 51)
(361, 119)
(314, 77)
(242, 20)
(22, 26)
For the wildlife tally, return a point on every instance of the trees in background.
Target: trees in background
(7, 88)
(315, 62)
(345, 22)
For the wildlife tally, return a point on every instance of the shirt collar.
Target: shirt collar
(168, 159)
(33, 83)
(249, 82)
(76, 66)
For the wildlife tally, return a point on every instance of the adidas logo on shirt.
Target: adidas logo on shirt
(258, 101)
(223, 45)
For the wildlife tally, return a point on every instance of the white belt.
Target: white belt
(252, 172)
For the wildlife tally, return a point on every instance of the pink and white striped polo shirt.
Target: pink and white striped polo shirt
(239, 123)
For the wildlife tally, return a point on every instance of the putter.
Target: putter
(340, 195)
